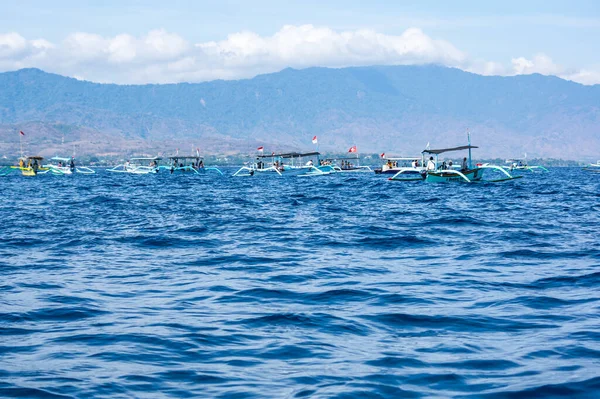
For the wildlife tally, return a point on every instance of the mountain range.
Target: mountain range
(393, 109)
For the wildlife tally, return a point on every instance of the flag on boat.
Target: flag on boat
(352, 149)
(382, 155)
(261, 148)
(314, 140)
(22, 134)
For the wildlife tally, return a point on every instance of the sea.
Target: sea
(338, 286)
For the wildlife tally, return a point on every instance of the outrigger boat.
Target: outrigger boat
(521, 164)
(288, 163)
(66, 166)
(31, 166)
(345, 165)
(467, 174)
(593, 167)
(193, 164)
(406, 165)
(138, 166)
(404, 168)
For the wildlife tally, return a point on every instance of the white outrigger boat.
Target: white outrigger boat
(467, 173)
(66, 166)
(291, 163)
(521, 164)
(344, 165)
(183, 164)
(404, 168)
(404, 165)
(138, 166)
(593, 167)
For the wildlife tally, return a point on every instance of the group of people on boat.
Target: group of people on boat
(71, 164)
(431, 166)
(346, 165)
(33, 164)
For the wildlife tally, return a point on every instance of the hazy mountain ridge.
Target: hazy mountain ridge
(396, 109)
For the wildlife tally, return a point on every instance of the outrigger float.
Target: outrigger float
(138, 166)
(289, 163)
(183, 164)
(66, 166)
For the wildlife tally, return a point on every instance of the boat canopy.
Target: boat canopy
(36, 157)
(437, 152)
(146, 159)
(61, 159)
(186, 157)
(290, 155)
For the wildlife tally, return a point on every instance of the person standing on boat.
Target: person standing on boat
(464, 165)
(72, 165)
(430, 164)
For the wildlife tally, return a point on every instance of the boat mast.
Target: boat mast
(469, 139)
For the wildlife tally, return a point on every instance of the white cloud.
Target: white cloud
(540, 63)
(161, 56)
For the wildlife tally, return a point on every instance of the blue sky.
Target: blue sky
(507, 37)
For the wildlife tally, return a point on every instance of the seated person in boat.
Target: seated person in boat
(464, 165)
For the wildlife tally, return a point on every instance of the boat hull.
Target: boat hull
(449, 177)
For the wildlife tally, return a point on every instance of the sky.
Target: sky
(166, 41)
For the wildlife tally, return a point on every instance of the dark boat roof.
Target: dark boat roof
(34, 157)
(463, 147)
(290, 155)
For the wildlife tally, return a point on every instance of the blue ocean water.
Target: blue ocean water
(342, 286)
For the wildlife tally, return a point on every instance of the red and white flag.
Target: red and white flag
(261, 148)
(314, 140)
(352, 149)
(382, 155)
(22, 134)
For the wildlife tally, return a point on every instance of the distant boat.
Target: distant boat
(31, 166)
(344, 165)
(593, 167)
(193, 164)
(138, 166)
(403, 168)
(292, 163)
(66, 166)
(521, 164)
